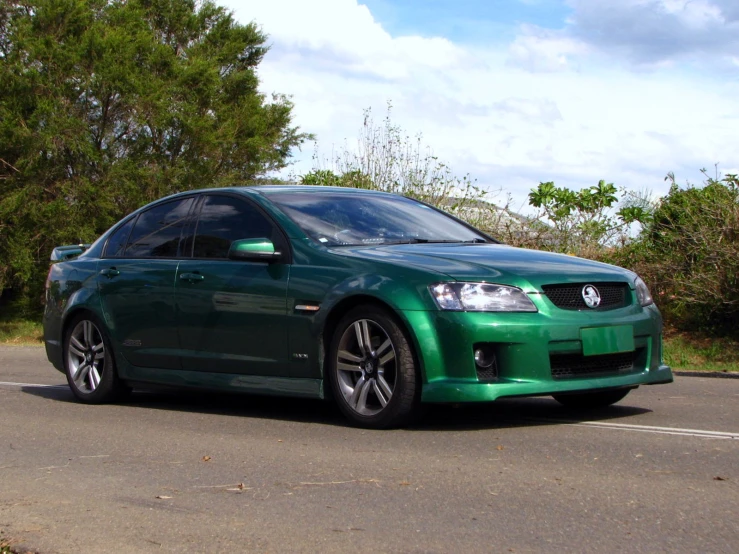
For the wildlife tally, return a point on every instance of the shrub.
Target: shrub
(689, 253)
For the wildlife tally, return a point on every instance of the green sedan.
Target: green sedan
(376, 301)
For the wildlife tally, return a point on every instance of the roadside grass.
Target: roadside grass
(5, 544)
(697, 352)
(687, 351)
(21, 332)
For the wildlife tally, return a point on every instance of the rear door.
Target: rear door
(136, 283)
(232, 313)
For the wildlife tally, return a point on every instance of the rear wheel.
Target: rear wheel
(88, 362)
(372, 369)
(591, 400)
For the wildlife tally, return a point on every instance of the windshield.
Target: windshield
(341, 219)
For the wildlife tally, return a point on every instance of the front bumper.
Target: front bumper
(525, 344)
(458, 390)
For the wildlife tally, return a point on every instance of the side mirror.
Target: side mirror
(255, 250)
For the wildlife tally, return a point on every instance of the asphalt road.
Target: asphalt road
(216, 473)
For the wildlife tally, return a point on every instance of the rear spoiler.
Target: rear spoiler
(61, 253)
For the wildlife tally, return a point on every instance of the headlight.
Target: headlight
(481, 297)
(642, 293)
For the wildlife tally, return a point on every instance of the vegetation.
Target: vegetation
(108, 104)
(582, 222)
(21, 332)
(700, 352)
(689, 251)
(5, 544)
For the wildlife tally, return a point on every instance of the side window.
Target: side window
(117, 241)
(157, 231)
(224, 219)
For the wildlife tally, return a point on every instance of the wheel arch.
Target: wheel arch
(347, 304)
(71, 315)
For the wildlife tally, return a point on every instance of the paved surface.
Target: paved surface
(214, 473)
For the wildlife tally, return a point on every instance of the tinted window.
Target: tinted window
(157, 231)
(224, 219)
(117, 241)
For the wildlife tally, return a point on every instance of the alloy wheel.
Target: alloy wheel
(86, 356)
(366, 367)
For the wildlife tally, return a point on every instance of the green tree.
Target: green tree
(108, 104)
(584, 222)
(690, 254)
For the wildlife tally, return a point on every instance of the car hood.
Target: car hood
(528, 269)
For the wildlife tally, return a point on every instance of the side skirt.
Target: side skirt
(227, 382)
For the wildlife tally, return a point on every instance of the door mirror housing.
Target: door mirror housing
(261, 249)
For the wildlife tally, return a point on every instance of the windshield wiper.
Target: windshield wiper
(436, 241)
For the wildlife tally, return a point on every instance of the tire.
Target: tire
(591, 400)
(88, 362)
(376, 387)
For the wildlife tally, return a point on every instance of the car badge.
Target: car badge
(591, 296)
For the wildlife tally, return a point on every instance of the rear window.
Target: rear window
(158, 230)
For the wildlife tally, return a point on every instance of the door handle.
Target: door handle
(192, 277)
(110, 272)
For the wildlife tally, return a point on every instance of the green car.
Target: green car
(375, 300)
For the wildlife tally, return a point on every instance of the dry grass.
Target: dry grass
(21, 332)
(700, 352)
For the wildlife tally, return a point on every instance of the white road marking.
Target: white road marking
(34, 385)
(645, 429)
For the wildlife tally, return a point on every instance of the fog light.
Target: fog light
(483, 359)
(486, 361)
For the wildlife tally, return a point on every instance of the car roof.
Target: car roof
(279, 189)
(267, 190)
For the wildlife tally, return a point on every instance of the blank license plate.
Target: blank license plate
(607, 340)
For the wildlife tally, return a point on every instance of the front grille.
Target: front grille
(569, 296)
(569, 366)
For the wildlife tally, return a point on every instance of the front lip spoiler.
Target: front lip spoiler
(470, 390)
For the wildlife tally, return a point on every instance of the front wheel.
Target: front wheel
(88, 362)
(372, 369)
(591, 400)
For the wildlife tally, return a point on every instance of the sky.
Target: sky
(516, 92)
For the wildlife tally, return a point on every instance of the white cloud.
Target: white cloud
(500, 114)
(542, 50)
(655, 32)
(344, 33)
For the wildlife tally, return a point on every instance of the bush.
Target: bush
(689, 253)
(591, 223)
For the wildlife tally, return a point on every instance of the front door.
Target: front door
(232, 314)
